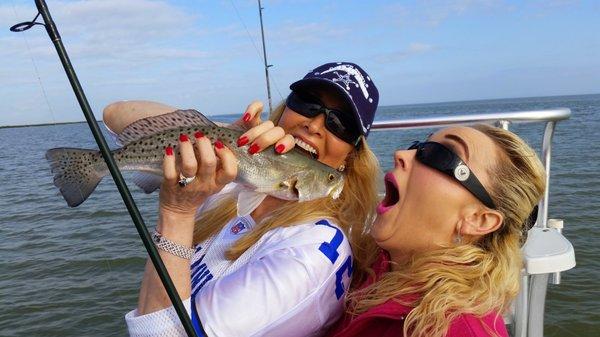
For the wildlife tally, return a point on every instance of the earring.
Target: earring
(342, 168)
(458, 237)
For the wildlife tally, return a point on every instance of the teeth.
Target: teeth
(305, 146)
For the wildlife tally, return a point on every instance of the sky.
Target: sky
(207, 54)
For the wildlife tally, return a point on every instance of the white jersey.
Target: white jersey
(290, 283)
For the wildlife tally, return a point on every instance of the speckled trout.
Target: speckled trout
(290, 176)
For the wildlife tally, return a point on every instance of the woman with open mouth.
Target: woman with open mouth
(449, 230)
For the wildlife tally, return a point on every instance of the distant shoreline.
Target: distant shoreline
(42, 124)
(383, 106)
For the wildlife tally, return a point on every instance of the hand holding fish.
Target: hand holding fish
(262, 135)
(252, 116)
(212, 168)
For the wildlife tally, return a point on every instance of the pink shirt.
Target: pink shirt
(387, 319)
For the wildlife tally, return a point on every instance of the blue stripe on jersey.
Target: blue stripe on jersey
(199, 273)
(195, 318)
(329, 249)
(339, 274)
(201, 285)
(197, 262)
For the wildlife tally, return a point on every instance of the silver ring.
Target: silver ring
(184, 181)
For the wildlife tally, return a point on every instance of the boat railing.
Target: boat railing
(547, 252)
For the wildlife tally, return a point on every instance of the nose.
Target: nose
(316, 124)
(403, 158)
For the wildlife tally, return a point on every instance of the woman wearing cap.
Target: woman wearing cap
(281, 270)
(448, 233)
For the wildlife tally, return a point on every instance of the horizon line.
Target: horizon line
(383, 106)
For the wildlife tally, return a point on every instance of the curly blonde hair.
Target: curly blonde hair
(473, 278)
(353, 210)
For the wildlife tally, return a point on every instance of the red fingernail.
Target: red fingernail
(242, 141)
(253, 149)
(280, 148)
(169, 151)
(198, 134)
(219, 145)
(247, 117)
(183, 137)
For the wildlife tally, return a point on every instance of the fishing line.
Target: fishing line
(37, 73)
(22, 27)
(252, 40)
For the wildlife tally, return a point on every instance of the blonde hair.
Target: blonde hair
(474, 278)
(353, 210)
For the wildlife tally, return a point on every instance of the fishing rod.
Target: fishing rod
(267, 65)
(52, 31)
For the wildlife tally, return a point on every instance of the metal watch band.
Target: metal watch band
(171, 247)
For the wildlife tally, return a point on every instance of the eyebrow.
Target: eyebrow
(461, 142)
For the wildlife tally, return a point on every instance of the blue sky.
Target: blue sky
(200, 54)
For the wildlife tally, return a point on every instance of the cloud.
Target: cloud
(433, 13)
(112, 44)
(311, 33)
(113, 28)
(413, 49)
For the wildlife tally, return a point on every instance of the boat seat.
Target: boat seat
(546, 253)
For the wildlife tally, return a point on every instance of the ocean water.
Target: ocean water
(76, 271)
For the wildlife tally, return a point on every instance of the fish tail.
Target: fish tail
(77, 172)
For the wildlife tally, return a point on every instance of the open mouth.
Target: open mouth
(292, 186)
(307, 148)
(392, 195)
(295, 189)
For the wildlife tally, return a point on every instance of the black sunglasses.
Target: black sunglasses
(441, 158)
(340, 123)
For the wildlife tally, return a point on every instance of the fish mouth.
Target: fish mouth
(294, 188)
(392, 195)
(307, 147)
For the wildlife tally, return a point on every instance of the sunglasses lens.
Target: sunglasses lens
(339, 124)
(303, 104)
(435, 155)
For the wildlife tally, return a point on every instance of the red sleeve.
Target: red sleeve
(471, 326)
(372, 327)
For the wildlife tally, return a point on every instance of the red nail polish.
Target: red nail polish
(183, 137)
(198, 134)
(253, 149)
(247, 117)
(219, 145)
(169, 151)
(280, 148)
(242, 141)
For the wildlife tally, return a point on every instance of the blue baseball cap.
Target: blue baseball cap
(354, 85)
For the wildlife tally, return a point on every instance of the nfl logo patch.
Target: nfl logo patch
(240, 226)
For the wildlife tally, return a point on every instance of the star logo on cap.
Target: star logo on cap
(345, 79)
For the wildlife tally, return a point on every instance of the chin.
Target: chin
(380, 230)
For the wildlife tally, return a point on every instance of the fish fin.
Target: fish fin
(149, 182)
(247, 201)
(156, 124)
(75, 173)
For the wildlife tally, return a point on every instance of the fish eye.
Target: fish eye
(331, 177)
